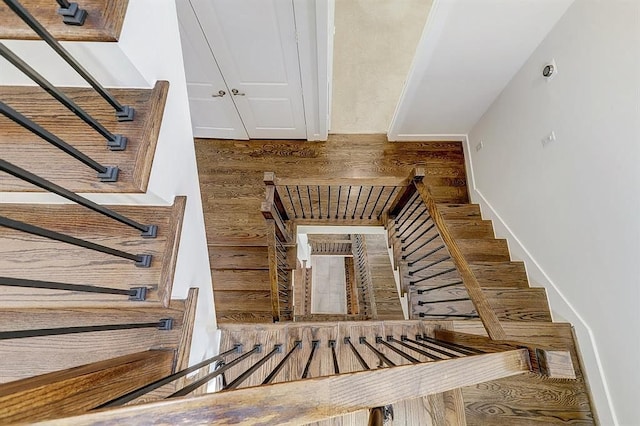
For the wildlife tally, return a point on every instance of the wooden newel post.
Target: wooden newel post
(272, 195)
(403, 197)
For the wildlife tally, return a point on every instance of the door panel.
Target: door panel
(254, 43)
(211, 116)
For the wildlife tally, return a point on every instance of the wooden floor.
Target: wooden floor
(231, 174)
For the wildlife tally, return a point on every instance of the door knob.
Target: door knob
(235, 92)
(220, 94)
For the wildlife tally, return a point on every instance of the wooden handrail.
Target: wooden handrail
(480, 302)
(77, 390)
(337, 181)
(311, 400)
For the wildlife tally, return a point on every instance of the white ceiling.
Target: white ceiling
(469, 51)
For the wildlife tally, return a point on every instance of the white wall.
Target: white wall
(571, 208)
(468, 52)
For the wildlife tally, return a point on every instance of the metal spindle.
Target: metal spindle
(135, 293)
(336, 367)
(148, 231)
(423, 315)
(338, 203)
(422, 234)
(141, 260)
(384, 206)
(314, 345)
(381, 357)
(376, 203)
(346, 207)
(161, 382)
(310, 202)
(363, 363)
(455, 346)
(291, 201)
(328, 201)
(415, 219)
(413, 348)
(439, 287)
(319, 202)
(429, 302)
(365, 204)
(407, 207)
(427, 278)
(435, 346)
(114, 142)
(402, 240)
(396, 350)
(404, 257)
(163, 324)
(425, 256)
(105, 173)
(123, 113)
(195, 385)
(71, 13)
(245, 375)
(296, 345)
(355, 208)
(300, 201)
(432, 264)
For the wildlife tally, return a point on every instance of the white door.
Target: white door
(213, 112)
(254, 43)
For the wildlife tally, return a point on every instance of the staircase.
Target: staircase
(86, 311)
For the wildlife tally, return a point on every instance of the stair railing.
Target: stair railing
(363, 279)
(123, 112)
(280, 240)
(71, 13)
(415, 203)
(351, 380)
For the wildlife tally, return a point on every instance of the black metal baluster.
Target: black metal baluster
(404, 257)
(314, 345)
(329, 201)
(297, 344)
(435, 345)
(347, 204)
(295, 214)
(427, 278)
(195, 385)
(114, 142)
(245, 374)
(422, 234)
(381, 357)
(148, 231)
(404, 355)
(423, 315)
(428, 302)
(402, 240)
(310, 202)
(123, 113)
(415, 219)
(363, 363)
(407, 208)
(163, 324)
(338, 203)
(431, 347)
(71, 13)
(353, 216)
(300, 201)
(141, 260)
(336, 367)
(319, 202)
(376, 203)
(455, 346)
(161, 382)
(439, 287)
(105, 173)
(135, 293)
(384, 206)
(413, 348)
(432, 264)
(365, 204)
(424, 256)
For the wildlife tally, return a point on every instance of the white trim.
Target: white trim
(563, 307)
(426, 138)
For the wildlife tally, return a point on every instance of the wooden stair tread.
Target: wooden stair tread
(494, 250)
(24, 149)
(238, 257)
(470, 228)
(459, 211)
(32, 356)
(242, 301)
(240, 280)
(103, 22)
(56, 261)
(529, 399)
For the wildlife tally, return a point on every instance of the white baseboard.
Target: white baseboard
(426, 138)
(561, 307)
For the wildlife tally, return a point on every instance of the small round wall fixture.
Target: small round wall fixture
(548, 70)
